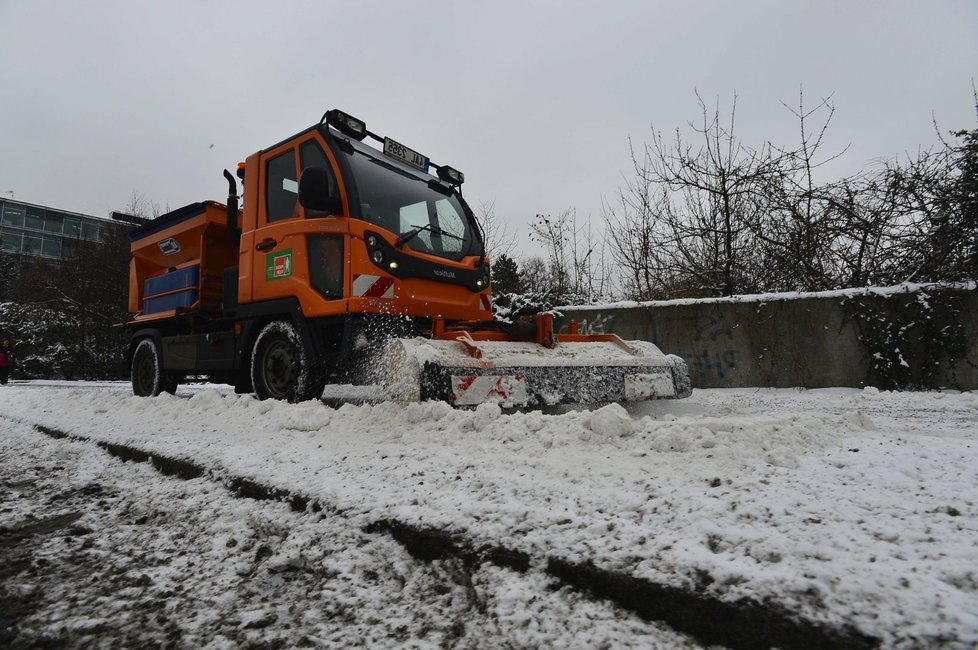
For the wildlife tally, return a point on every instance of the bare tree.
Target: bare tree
(551, 234)
(923, 211)
(721, 217)
(695, 208)
(861, 217)
(575, 259)
(634, 232)
(796, 224)
(536, 275)
(499, 240)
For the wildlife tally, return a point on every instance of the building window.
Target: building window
(10, 241)
(52, 222)
(72, 227)
(34, 219)
(51, 247)
(89, 231)
(13, 215)
(32, 244)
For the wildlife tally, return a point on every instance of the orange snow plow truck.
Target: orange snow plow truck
(354, 264)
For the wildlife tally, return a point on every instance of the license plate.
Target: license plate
(405, 155)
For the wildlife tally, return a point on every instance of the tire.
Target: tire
(147, 375)
(281, 368)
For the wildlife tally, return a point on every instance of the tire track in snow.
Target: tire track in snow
(742, 623)
(166, 562)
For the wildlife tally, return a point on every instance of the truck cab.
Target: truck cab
(370, 233)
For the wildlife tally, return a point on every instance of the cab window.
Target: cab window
(282, 187)
(312, 155)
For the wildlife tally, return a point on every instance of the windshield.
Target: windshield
(402, 200)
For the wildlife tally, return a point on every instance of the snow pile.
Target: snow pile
(846, 506)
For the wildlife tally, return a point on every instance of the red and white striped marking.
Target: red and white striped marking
(507, 390)
(373, 286)
(486, 304)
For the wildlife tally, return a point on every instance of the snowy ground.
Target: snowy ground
(841, 507)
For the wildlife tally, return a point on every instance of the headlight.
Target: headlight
(377, 257)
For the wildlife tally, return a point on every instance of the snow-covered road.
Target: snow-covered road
(843, 507)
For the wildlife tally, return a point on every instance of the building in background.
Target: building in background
(35, 231)
(63, 285)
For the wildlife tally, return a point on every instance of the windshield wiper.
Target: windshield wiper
(435, 230)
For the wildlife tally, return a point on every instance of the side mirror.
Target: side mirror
(318, 191)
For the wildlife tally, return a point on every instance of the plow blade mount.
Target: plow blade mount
(466, 372)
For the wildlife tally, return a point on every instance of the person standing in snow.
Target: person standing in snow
(6, 360)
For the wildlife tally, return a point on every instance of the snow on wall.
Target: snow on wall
(885, 336)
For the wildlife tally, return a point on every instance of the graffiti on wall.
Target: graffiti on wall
(597, 324)
(712, 328)
(712, 363)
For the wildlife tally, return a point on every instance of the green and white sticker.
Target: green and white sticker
(278, 265)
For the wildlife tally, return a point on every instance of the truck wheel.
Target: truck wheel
(281, 367)
(148, 379)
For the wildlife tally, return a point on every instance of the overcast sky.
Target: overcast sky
(534, 101)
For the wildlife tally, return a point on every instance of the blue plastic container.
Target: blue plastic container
(170, 301)
(186, 278)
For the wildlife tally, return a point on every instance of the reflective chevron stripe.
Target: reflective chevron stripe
(373, 286)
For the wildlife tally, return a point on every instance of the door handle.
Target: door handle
(265, 245)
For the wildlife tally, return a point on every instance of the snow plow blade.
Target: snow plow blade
(574, 369)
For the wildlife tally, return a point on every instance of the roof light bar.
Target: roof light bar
(451, 175)
(346, 124)
(357, 129)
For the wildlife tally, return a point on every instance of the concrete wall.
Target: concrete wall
(815, 341)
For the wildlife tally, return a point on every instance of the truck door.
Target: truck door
(278, 246)
(285, 236)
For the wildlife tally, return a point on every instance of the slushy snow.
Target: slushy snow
(848, 507)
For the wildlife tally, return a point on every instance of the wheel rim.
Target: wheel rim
(278, 368)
